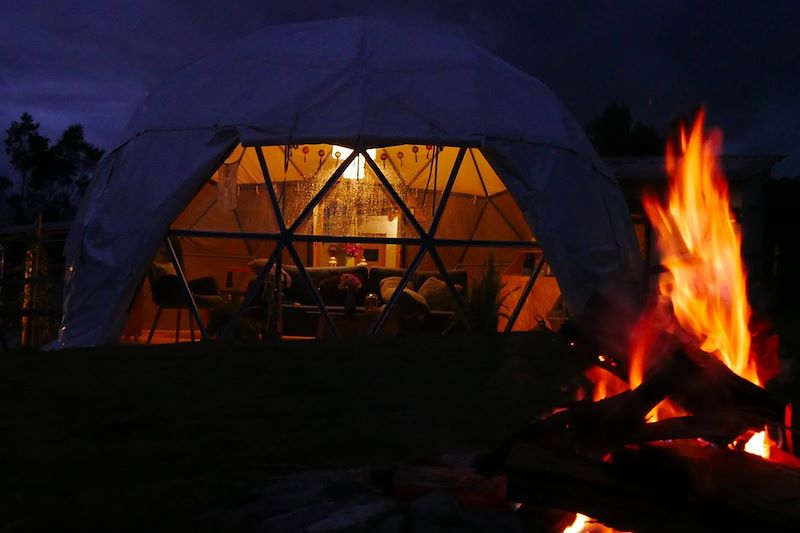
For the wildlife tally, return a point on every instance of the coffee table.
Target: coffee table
(358, 324)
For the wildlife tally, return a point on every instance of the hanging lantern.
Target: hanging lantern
(321, 154)
(305, 153)
(384, 157)
(400, 156)
(415, 149)
(428, 148)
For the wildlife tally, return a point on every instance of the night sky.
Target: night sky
(92, 61)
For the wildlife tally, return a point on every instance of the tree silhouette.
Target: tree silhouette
(26, 147)
(53, 177)
(75, 158)
(614, 133)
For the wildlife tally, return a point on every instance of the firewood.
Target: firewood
(605, 330)
(716, 387)
(679, 487)
(737, 482)
(595, 428)
(709, 385)
(720, 428)
(564, 480)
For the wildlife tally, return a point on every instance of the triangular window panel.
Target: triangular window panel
(419, 173)
(229, 204)
(480, 207)
(297, 173)
(359, 203)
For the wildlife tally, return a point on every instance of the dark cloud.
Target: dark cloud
(91, 62)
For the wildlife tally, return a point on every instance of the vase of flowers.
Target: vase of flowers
(350, 284)
(351, 251)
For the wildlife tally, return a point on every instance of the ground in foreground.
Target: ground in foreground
(162, 438)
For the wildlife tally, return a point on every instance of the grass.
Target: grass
(134, 438)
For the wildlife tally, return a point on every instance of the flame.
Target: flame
(706, 288)
(758, 444)
(584, 524)
(645, 339)
(578, 525)
(702, 251)
(605, 383)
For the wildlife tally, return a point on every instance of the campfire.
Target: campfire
(678, 407)
(673, 430)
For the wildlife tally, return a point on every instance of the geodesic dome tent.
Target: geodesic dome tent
(421, 147)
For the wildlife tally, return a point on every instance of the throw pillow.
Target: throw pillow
(410, 302)
(389, 284)
(437, 295)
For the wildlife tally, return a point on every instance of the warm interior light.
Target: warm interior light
(356, 169)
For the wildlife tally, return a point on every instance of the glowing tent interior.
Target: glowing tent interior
(284, 149)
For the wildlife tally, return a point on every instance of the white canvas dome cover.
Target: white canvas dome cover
(357, 82)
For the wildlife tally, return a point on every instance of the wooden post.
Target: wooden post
(29, 288)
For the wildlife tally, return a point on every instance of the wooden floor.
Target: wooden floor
(166, 336)
(162, 336)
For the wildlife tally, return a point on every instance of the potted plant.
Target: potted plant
(484, 301)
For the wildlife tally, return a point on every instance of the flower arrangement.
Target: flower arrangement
(349, 281)
(352, 249)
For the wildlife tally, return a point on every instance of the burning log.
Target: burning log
(723, 404)
(720, 428)
(686, 487)
(716, 388)
(606, 424)
(581, 458)
(708, 386)
(592, 429)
